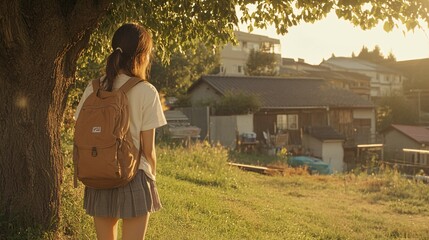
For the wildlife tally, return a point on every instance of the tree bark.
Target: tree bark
(40, 42)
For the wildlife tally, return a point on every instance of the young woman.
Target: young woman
(132, 46)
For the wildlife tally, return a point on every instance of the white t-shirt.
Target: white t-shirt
(145, 112)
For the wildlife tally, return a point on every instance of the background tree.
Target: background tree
(175, 76)
(375, 56)
(390, 58)
(396, 109)
(261, 63)
(236, 103)
(41, 40)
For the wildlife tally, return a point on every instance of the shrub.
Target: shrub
(237, 103)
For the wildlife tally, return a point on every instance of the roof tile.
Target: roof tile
(277, 92)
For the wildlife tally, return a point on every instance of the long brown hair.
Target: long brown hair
(132, 47)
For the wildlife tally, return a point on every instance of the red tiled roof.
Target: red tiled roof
(419, 134)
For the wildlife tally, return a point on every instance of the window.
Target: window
(266, 47)
(240, 68)
(287, 122)
(254, 46)
(281, 122)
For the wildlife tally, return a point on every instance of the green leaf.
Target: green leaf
(388, 26)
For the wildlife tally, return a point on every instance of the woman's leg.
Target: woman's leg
(134, 228)
(106, 228)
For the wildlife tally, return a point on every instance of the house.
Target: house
(416, 71)
(385, 81)
(414, 139)
(416, 86)
(355, 82)
(326, 143)
(290, 65)
(294, 104)
(233, 58)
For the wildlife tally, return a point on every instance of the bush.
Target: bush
(237, 103)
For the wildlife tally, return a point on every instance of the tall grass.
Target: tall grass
(403, 196)
(242, 205)
(74, 222)
(204, 198)
(201, 164)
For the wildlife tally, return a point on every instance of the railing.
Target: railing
(363, 138)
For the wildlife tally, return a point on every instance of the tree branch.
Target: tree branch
(86, 15)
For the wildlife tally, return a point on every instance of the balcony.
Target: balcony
(359, 138)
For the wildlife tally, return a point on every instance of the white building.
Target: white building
(233, 58)
(384, 81)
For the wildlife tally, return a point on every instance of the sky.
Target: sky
(318, 41)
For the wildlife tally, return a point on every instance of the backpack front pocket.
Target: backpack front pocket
(98, 162)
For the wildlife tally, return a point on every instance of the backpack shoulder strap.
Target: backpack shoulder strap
(96, 84)
(130, 83)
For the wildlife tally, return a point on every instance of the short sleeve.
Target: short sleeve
(86, 93)
(153, 115)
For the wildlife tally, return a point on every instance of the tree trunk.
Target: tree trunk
(40, 42)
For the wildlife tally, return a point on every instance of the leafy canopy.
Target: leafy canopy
(396, 109)
(175, 77)
(260, 63)
(178, 26)
(237, 103)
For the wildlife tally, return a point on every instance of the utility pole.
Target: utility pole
(419, 92)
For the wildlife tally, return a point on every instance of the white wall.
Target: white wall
(333, 153)
(223, 128)
(382, 83)
(231, 57)
(245, 123)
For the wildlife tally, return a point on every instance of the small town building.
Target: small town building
(385, 81)
(233, 58)
(292, 105)
(399, 137)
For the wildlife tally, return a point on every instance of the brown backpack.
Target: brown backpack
(104, 155)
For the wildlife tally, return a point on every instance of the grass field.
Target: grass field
(203, 198)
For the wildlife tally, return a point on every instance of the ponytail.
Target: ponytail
(112, 68)
(132, 47)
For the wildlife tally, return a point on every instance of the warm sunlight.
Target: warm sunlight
(318, 41)
(21, 102)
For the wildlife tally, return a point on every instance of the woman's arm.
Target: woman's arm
(147, 140)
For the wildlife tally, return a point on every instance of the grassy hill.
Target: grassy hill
(204, 198)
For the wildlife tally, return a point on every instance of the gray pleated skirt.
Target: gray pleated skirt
(137, 198)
